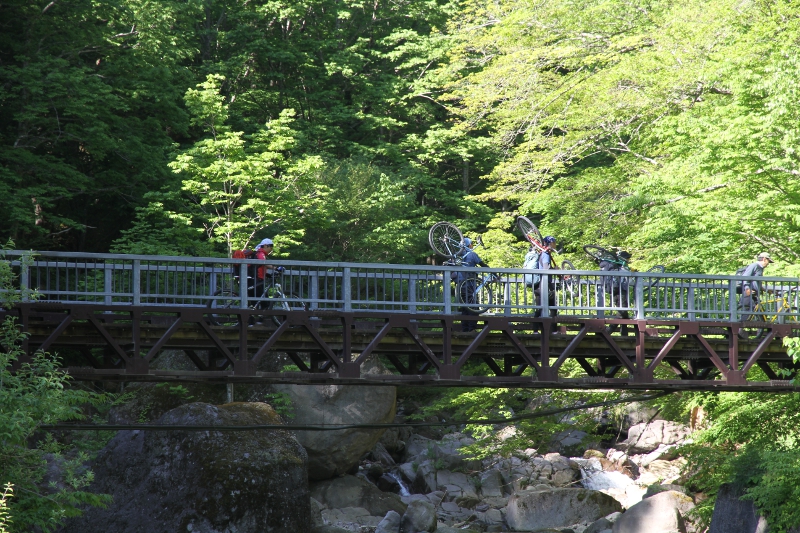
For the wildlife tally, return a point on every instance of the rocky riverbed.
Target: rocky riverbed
(397, 482)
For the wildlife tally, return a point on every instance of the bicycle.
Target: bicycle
(782, 307)
(272, 298)
(489, 292)
(602, 254)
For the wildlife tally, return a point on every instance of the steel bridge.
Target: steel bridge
(153, 318)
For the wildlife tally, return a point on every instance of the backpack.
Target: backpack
(740, 272)
(243, 254)
(532, 263)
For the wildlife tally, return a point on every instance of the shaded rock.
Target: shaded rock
(661, 513)
(390, 523)
(151, 400)
(734, 515)
(350, 517)
(419, 517)
(316, 513)
(387, 483)
(532, 510)
(350, 491)
(491, 484)
(381, 455)
(332, 453)
(247, 481)
(644, 438)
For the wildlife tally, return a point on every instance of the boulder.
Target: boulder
(532, 510)
(661, 513)
(332, 453)
(389, 524)
(491, 484)
(350, 491)
(644, 438)
(732, 514)
(419, 517)
(350, 518)
(208, 481)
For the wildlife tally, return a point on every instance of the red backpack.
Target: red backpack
(243, 254)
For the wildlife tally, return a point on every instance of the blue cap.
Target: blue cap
(467, 241)
(549, 239)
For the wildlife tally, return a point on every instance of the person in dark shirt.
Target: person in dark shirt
(546, 263)
(617, 287)
(468, 283)
(752, 287)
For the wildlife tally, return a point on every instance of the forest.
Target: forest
(344, 129)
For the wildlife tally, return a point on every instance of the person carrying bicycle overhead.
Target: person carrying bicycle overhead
(617, 287)
(468, 283)
(752, 287)
(546, 263)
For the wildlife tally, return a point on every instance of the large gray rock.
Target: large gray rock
(662, 513)
(332, 453)
(202, 481)
(532, 510)
(350, 491)
(734, 515)
(390, 523)
(419, 517)
(644, 438)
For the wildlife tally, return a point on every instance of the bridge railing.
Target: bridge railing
(118, 279)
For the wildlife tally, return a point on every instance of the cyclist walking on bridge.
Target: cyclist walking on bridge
(752, 287)
(468, 283)
(546, 263)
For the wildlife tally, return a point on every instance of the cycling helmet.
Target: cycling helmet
(624, 255)
(467, 241)
(549, 239)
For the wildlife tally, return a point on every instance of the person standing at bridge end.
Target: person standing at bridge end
(752, 287)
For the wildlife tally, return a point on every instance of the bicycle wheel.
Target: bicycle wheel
(223, 299)
(652, 282)
(490, 296)
(599, 253)
(281, 304)
(476, 298)
(568, 281)
(445, 239)
(529, 230)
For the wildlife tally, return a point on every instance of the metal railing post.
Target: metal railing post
(137, 281)
(348, 298)
(446, 288)
(243, 285)
(108, 282)
(690, 303)
(24, 281)
(732, 307)
(412, 295)
(314, 289)
(639, 296)
(544, 288)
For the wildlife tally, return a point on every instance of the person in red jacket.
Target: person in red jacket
(263, 250)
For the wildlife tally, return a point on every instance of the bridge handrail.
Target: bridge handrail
(124, 279)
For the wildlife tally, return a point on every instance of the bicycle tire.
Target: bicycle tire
(599, 253)
(224, 299)
(529, 230)
(483, 297)
(284, 305)
(445, 238)
(569, 281)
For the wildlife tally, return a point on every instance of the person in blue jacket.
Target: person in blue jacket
(468, 283)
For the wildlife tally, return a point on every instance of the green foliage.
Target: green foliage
(5, 518)
(282, 403)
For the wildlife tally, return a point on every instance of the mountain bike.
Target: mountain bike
(602, 254)
(272, 297)
(489, 292)
(569, 282)
(446, 240)
(780, 307)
